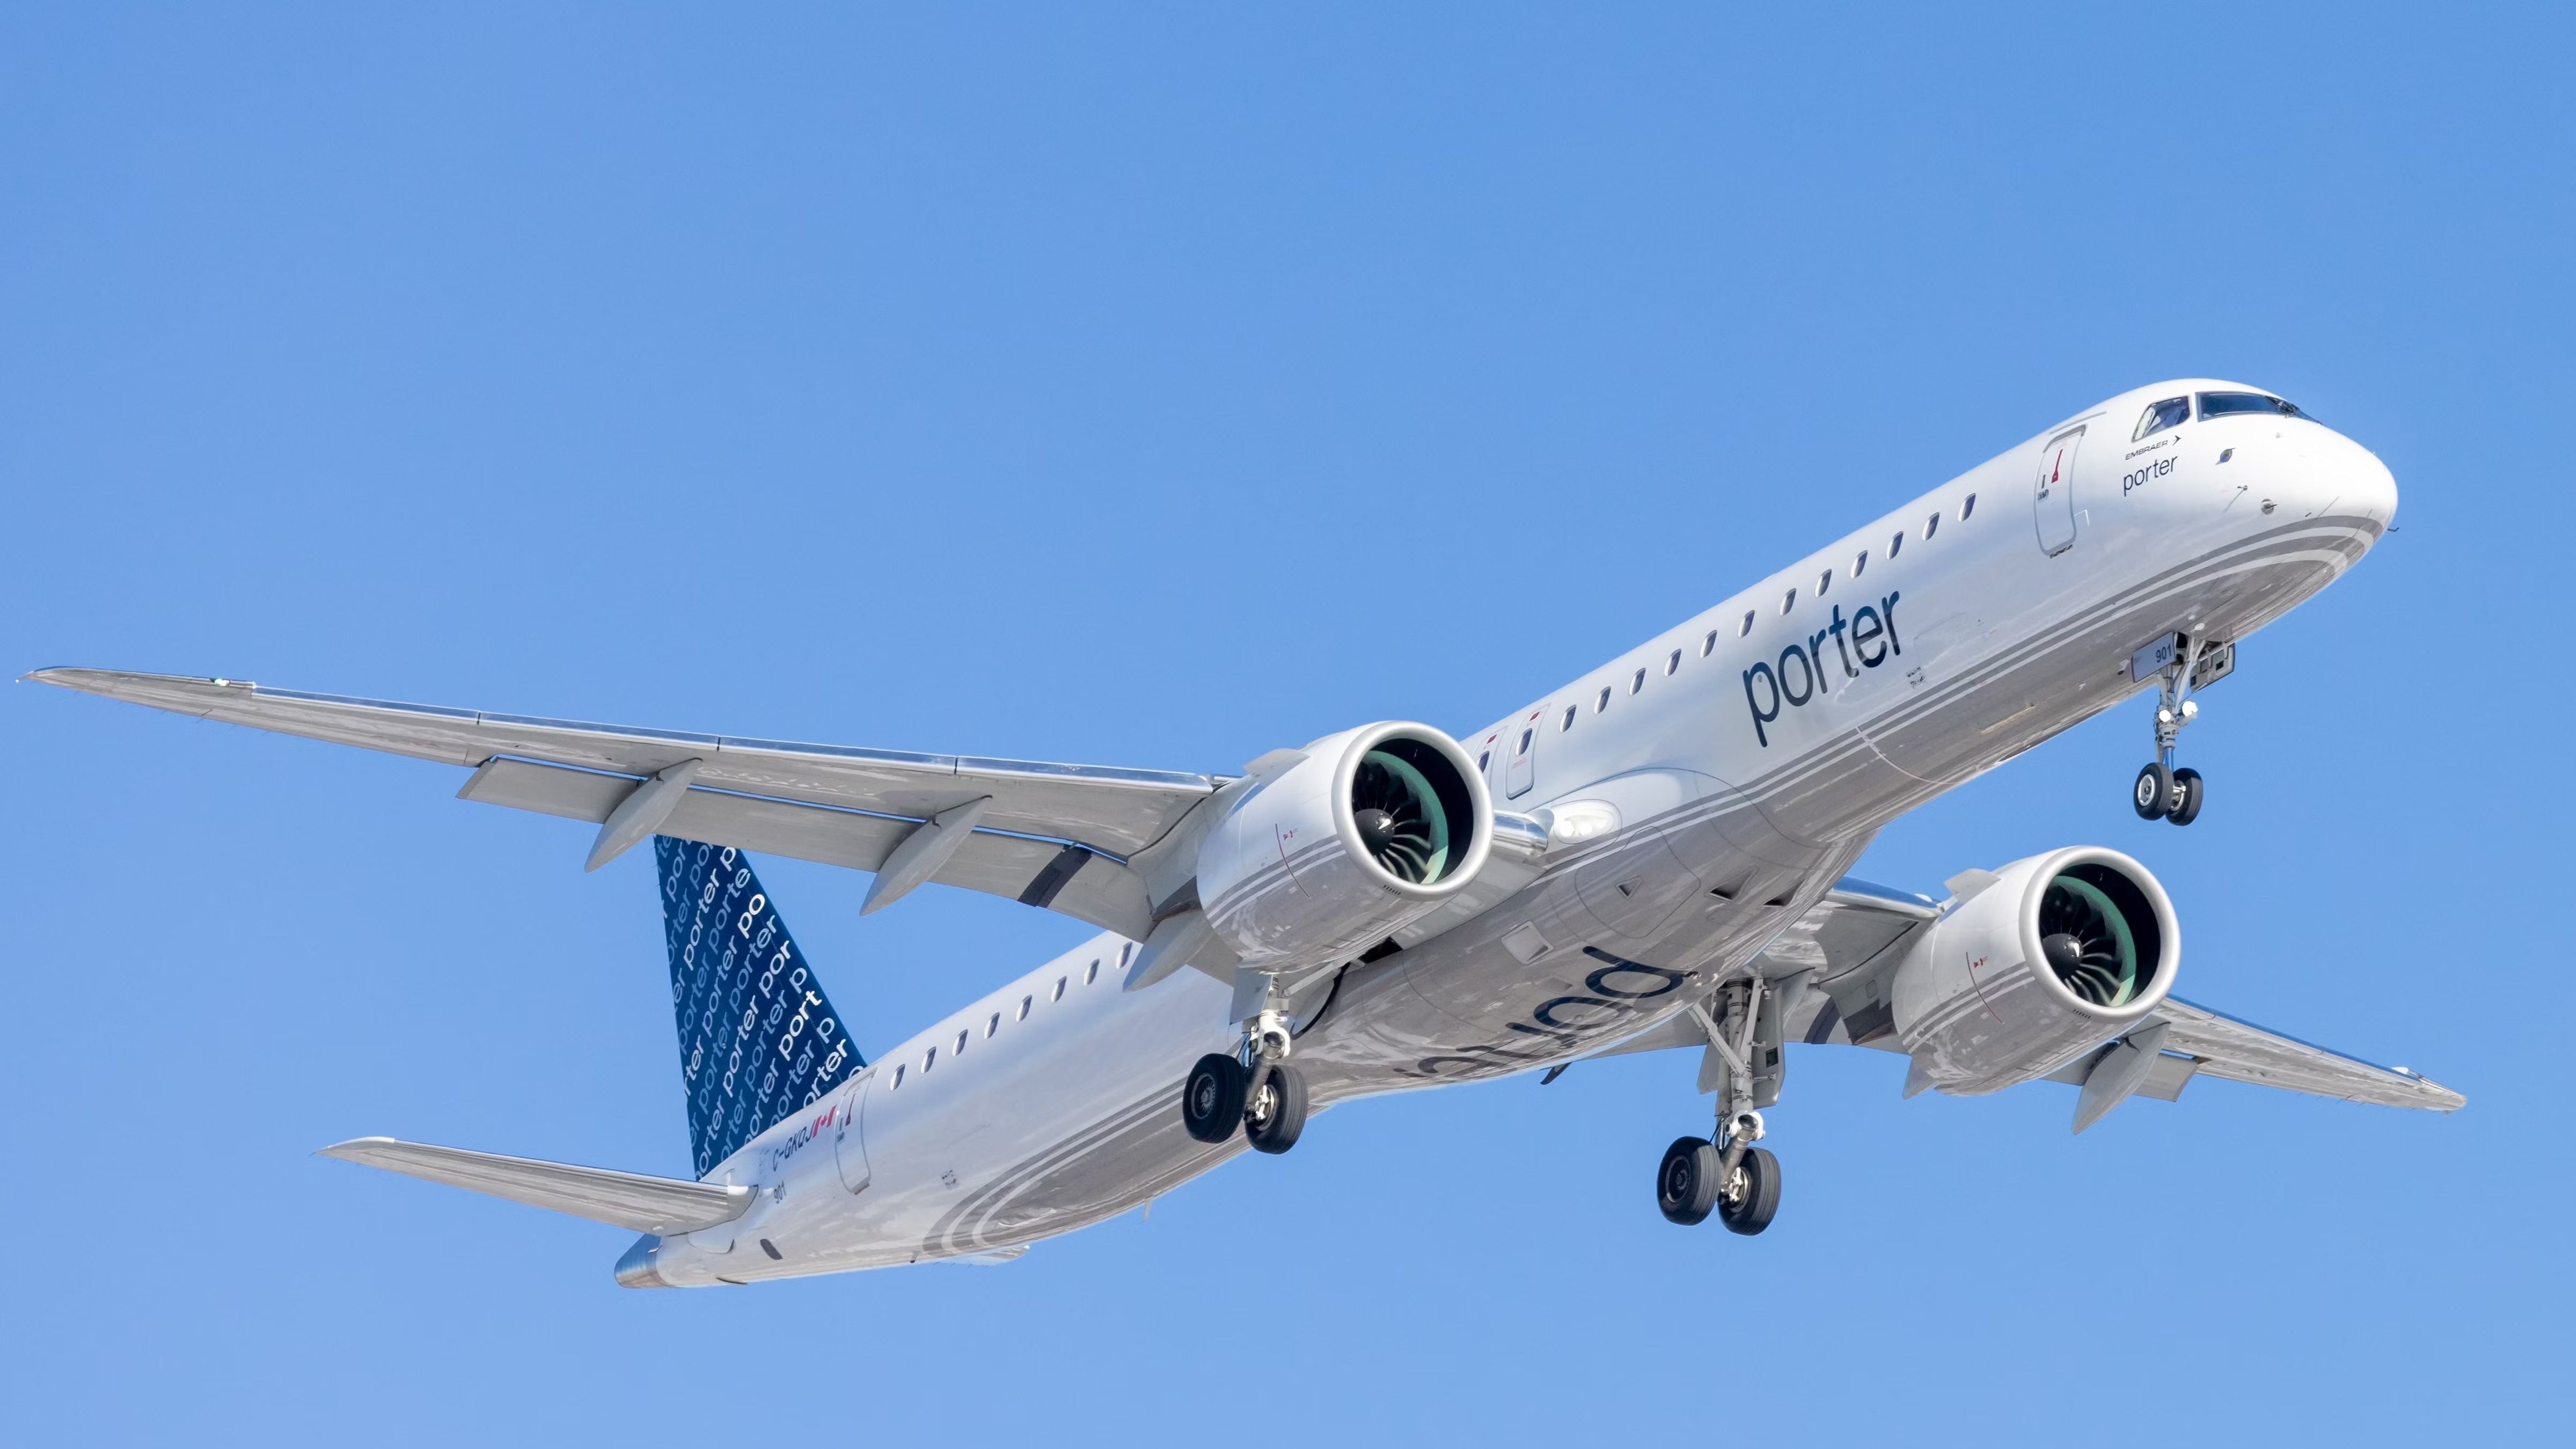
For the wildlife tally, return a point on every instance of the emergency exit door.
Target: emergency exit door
(1522, 772)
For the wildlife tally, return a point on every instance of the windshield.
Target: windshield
(2172, 412)
(2221, 404)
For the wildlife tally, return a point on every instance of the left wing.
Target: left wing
(1056, 836)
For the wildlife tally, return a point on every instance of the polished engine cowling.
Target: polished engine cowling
(1362, 833)
(2055, 956)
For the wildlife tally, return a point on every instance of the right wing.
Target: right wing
(659, 1205)
(1850, 939)
(2222, 1046)
(1056, 836)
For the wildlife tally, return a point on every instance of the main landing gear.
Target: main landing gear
(1730, 1177)
(2163, 792)
(1265, 1098)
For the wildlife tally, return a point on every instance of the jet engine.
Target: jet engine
(2049, 958)
(1343, 843)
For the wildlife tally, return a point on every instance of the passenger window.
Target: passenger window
(1092, 974)
(898, 1078)
(1484, 762)
(1569, 720)
(2171, 413)
(1931, 526)
(929, 1059)
(1789, 601)
(1967, 509)
(1824, 581)
(1741, 631)
(1525, 740)
(960, 1049)
(1059, 989)
(1895, 544)
(1673, 665)
(1637, 684)
(1025, 1002)
(1860, 563)
(993, 1026)
(1126, 953)
(1603, 702)
(1708, 646)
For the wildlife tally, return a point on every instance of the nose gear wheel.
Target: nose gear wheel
(2164, 792)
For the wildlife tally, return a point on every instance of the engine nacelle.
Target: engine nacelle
(2062, 953)
(1369, 832)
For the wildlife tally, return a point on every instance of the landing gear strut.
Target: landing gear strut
(1730, 1177)
(1263, 1096)
(2163, 792)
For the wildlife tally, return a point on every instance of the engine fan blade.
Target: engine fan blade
(1400, 824)
(2084, 944)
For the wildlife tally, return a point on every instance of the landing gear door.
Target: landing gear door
(2054, 495)
(849, 1138)
(1522, 771)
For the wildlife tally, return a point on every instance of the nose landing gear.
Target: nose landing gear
(1731, 1177)
(2163, 792)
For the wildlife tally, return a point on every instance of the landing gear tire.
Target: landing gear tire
(1686, 1185)
(2153, 795)
(1754, 1193)
(1212, 1098)
(1277, 1112)
(2187, 791)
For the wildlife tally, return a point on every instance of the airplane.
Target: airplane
(1654, 856)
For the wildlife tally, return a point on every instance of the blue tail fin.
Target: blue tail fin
(758, 1039)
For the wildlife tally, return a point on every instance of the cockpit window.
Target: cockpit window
(2222, 404)
(2173, 412)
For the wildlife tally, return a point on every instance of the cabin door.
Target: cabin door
(849, 1138)
(2054, 498)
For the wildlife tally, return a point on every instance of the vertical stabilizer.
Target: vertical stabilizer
(758, 1038)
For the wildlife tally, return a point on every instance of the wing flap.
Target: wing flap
(659, 1205)
(1087, 886)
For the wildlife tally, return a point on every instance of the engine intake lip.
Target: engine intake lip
(1462, 784)
(2133, 890)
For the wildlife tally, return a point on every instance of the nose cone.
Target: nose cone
(2358, 482)
(2318, 473)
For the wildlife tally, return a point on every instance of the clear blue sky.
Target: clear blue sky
(1157, 389)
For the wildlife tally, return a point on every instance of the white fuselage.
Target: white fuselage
(1703, 789)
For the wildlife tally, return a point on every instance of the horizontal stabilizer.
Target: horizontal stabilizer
(658, 1205)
